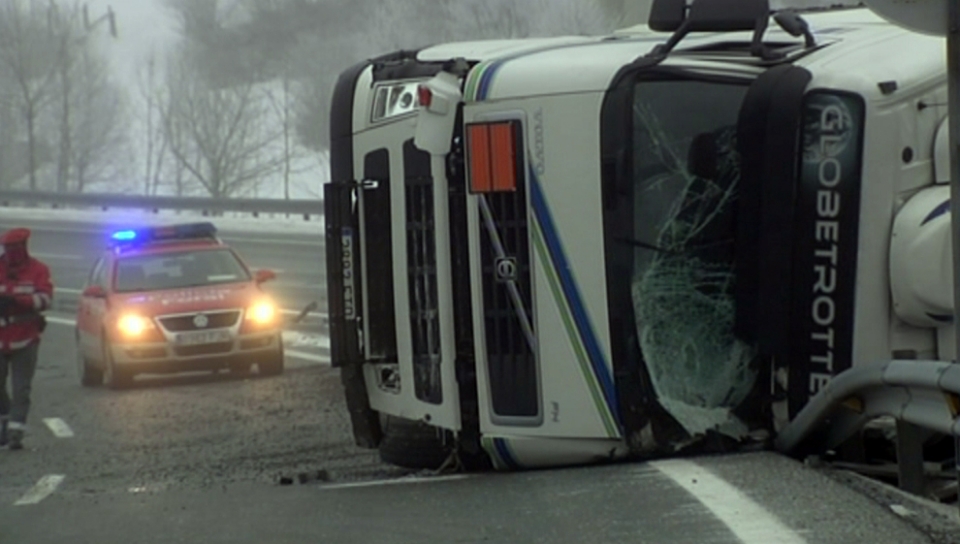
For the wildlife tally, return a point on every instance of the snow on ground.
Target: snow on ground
(118, 218)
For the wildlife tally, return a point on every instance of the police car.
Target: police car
(174, 299)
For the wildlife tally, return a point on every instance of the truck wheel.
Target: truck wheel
(412, 444)
(272, 365)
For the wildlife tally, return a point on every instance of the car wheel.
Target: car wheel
(113, 376)
(272, 365)
(90, 376)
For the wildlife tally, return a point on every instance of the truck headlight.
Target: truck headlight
(394, 100)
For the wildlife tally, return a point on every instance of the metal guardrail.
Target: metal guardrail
(922, 396)
(106, 201)
(924, 393)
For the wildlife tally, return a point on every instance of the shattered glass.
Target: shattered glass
(682, 286)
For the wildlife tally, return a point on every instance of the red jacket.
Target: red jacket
(32, 289)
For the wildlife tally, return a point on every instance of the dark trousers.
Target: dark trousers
(20, 365)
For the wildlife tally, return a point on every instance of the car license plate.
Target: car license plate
(202, 337)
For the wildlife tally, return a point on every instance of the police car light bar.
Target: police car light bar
(185, 231)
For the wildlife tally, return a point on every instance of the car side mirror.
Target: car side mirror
(261, 276)
(94, 291)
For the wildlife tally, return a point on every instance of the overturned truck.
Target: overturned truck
(667, 239)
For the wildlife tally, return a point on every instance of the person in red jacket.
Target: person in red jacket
(25, 292)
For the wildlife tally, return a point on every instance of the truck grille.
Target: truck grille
(380, 328)
(215, 320)
(512, 362)
(422, 274)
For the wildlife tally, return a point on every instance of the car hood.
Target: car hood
(192, 299)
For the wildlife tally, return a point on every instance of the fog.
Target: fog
(220, 97)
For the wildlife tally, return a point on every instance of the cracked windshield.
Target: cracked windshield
(685, 182)
(499, 271)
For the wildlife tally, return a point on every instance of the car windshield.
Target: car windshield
(176, 270)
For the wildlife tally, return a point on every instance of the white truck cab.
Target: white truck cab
(667, 239)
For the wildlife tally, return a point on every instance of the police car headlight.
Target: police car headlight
(262, 313)
(132, 325)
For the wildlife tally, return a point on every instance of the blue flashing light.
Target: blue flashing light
(134, 238)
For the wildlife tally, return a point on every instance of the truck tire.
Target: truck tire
(412, 444)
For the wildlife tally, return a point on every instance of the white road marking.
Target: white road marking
(55, 256)
(58, 427)
(901, 510)
(312, 357)
(61, 321)
(749, 521)
(66, 290)
(302, 339)
(297, 312)
(47, 485)
(275, 241)
(270, 268)
(397, 481)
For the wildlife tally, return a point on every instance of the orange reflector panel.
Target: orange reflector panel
(493, 156)
(478, 140)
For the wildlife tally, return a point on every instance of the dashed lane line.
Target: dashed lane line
(749, 521)
(47, 485)
(58, 427)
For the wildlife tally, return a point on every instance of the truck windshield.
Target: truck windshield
(671, 249)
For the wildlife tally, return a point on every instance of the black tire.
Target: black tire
(114, 377)
(90, 376)
(412, 444)
(272, 365)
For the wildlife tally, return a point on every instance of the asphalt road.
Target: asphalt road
(213, 458)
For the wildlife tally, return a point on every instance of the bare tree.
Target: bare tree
(221, 136)
(154, 143)
(89, 119)
(97, 137)
(28, 62)
(282, 104)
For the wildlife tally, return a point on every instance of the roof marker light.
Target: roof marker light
(124, 235)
